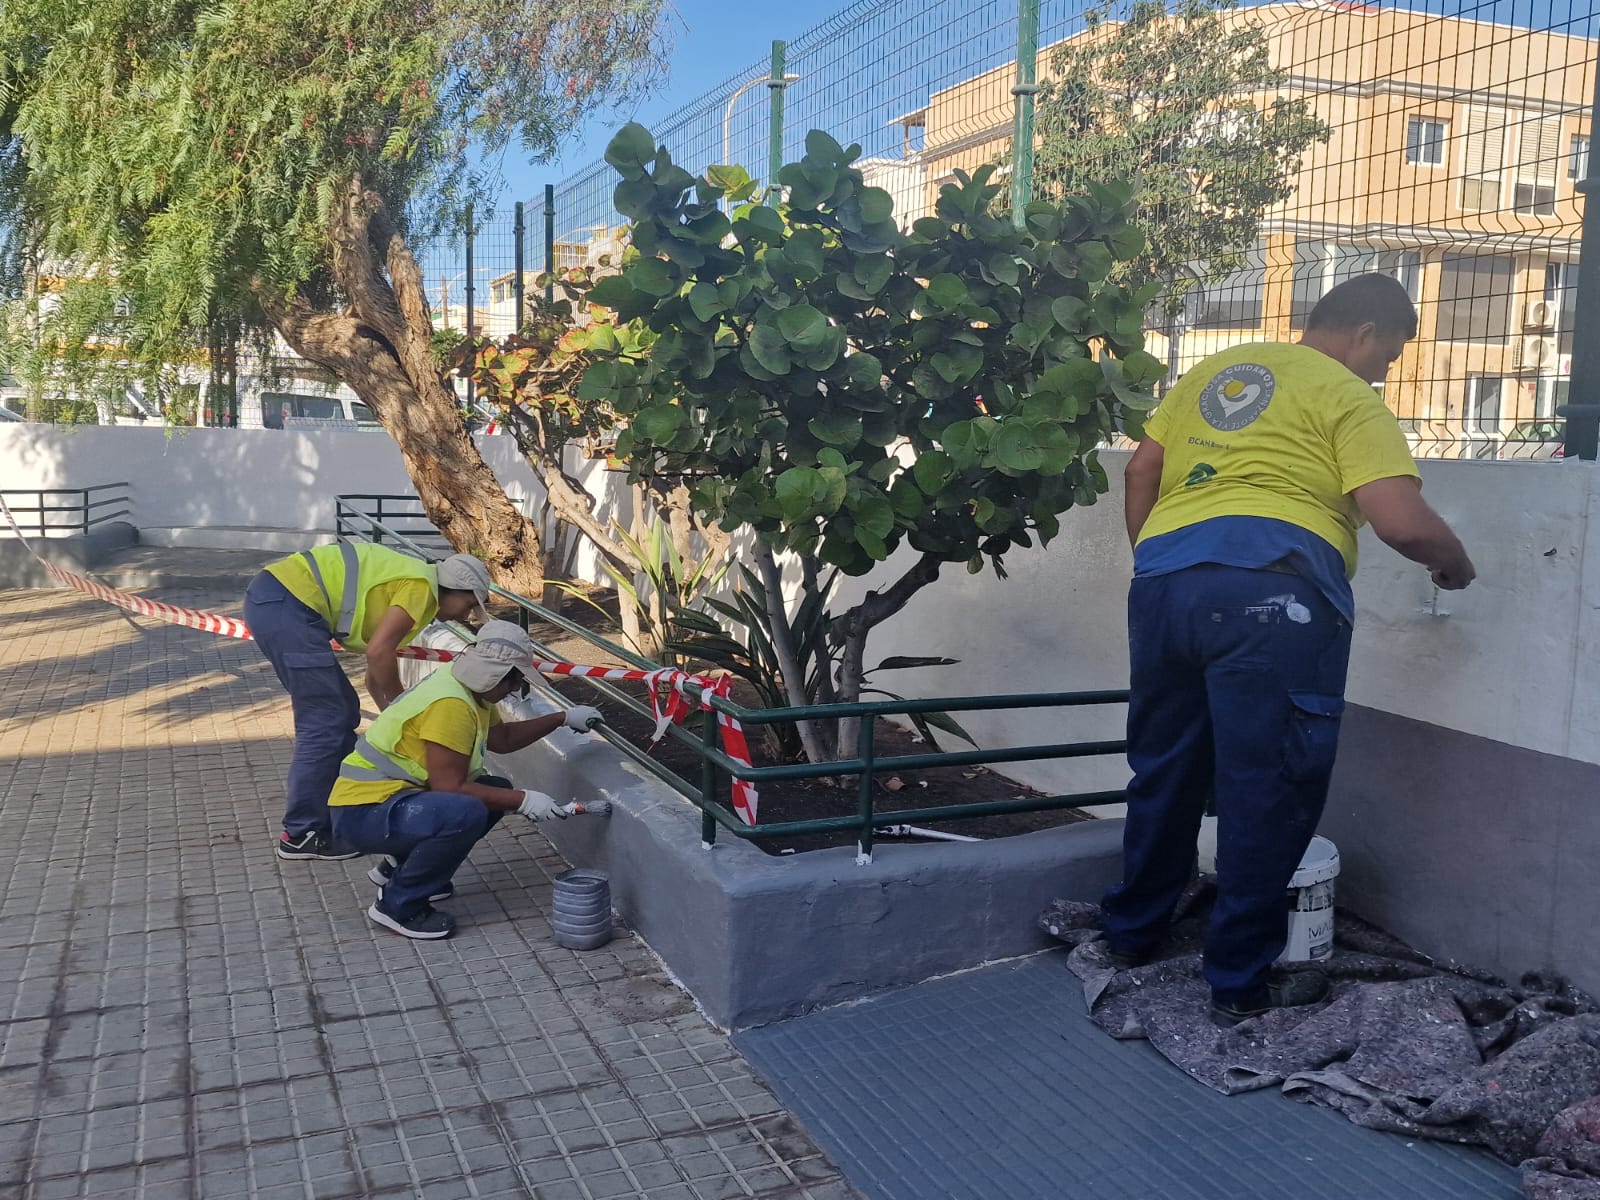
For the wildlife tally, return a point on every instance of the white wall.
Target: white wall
(1515, 658)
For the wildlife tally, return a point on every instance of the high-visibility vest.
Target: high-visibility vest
(345, 574)
(377, 757)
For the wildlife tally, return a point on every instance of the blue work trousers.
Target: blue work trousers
(1237, 680)
(428, 834)
(326, 711)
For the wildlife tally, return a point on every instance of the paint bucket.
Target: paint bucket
(580, 909)
(1310, 902)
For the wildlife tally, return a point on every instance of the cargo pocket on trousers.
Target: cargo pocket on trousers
(313, 659)
(1313, 737)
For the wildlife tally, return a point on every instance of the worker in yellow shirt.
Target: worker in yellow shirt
(413, 789)
(370, 598)
(1243, 502)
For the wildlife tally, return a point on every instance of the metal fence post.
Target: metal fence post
(470, 327)
(708, 777)
(549, 243)
(1582, 409)
(864, 793)
(471, 330)
(775, 89)
(1024, 91)
(519, 232)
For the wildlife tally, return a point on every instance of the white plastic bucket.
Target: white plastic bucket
(1310, 902)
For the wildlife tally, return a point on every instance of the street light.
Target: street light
(727, 116)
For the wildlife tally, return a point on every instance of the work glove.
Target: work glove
(582, 718)
(537, 806)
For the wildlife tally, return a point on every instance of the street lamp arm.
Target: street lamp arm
(727, 116)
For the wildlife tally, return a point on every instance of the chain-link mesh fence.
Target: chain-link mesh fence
(1282, 148)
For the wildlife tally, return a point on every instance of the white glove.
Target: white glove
(536, 806)
(582, 718)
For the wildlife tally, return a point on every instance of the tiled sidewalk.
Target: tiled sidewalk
(183, 1015)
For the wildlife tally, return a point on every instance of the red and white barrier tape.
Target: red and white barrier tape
(668, 710)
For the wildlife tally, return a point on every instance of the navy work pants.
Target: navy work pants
(429, 834)
(1237, 681)
(326, 711)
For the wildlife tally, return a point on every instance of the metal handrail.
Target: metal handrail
(87, 518)
(717, 767)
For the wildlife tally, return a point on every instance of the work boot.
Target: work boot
(1284, 989)
(1123, 960)
(428, 925)
(313, 844)
(388, 865)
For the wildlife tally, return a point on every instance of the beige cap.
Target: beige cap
(464, 573)
(501, 647)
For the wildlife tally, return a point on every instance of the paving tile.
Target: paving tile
(184, 1016)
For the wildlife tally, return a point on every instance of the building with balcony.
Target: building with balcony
(1454, 152)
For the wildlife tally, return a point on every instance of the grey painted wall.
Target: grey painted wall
(756, 938)
(1469, 848)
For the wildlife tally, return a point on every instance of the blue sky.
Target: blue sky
(904, 50)
(710, 40)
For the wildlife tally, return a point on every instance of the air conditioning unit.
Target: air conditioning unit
(1536, 353)
(1540, 314)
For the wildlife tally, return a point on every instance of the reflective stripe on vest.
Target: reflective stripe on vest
(352, 576)
(370, 762)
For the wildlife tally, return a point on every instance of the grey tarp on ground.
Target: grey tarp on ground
(1404, 1043)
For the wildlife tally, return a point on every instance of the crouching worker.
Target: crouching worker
(371, 599)
(414, 790)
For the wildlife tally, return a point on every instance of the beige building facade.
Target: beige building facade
(1454, 152)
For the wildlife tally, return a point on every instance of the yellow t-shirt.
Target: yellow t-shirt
(449, 722)
(414, 594)
(1273, 430)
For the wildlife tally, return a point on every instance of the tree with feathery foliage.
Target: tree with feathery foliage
(269, 164)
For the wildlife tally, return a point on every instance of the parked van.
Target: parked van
(298, 406)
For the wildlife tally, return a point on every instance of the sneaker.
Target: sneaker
(1285, 989)
(384, 872)
(314, 844)
(428, 925)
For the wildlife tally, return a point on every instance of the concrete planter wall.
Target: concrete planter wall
(756, 938)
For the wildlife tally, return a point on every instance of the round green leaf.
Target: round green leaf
(864, 370)
(797, 490)
(631, 150)
(660, 423)
(803, 327)
(705, 301)
(946, 291)
(932, 471)
(876, 205)
(873, 272)
(837, 428)
(650, 276)
(771, 349)
(1022, 446)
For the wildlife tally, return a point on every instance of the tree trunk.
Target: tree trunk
(379, 345)
(857, 623)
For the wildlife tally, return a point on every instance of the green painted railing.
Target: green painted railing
(718, 770)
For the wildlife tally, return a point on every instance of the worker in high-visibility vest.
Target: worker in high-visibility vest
(413, 789)
(369, 598)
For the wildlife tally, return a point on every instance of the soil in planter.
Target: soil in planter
(805, 799)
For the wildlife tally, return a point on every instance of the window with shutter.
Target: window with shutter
(1538, 160)
(1483, 156)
